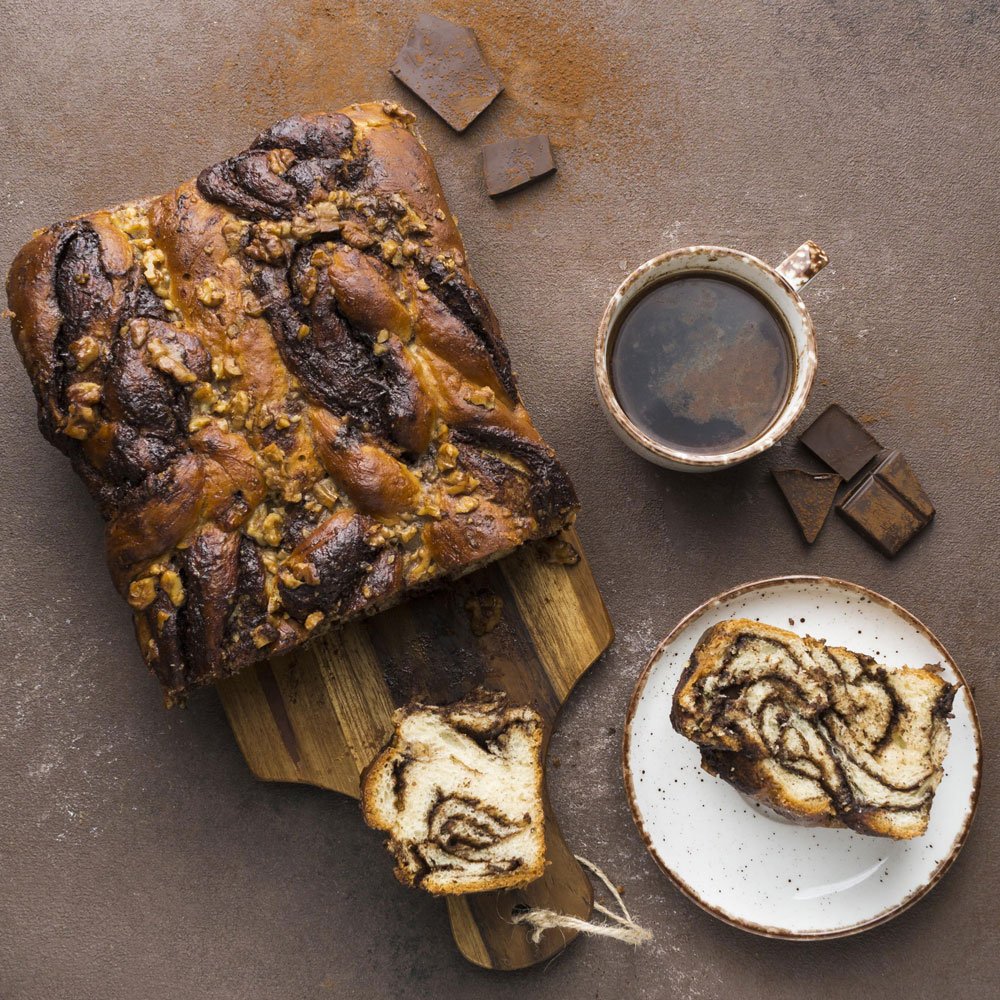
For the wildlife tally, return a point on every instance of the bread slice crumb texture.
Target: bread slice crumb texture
(459, 791)
(823, 735)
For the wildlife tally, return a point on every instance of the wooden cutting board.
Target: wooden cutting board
(321, 714)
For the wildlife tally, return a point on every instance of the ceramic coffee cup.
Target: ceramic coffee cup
(778, 286)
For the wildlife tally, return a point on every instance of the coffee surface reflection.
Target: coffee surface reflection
(701, 363)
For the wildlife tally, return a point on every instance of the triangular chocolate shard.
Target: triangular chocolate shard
(810, 497)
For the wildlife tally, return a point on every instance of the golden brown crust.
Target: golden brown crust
(285, 391)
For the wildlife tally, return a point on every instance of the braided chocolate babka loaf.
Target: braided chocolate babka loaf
(285, 392)
(459, 790)
(825, 736)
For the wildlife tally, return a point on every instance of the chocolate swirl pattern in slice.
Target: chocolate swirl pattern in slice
(459, 790)
(825, 736)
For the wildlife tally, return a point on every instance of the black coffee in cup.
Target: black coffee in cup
(701, 363)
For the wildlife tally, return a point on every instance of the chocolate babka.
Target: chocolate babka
(459, 791)
(824, 736)
(285, 392)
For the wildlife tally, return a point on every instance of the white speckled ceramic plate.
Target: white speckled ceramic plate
(743, 863)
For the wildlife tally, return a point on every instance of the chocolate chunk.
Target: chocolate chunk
(512, 164)
(442, 64)
(810, 497)
(889, 506)
(837, 439)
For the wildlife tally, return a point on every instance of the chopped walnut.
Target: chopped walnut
(252, 305)
(279, 160)
(85, 393)
(394, 110)
(232, 232)
(458, 482)
(326, 493)
(322, 217)
(142, 592)
(79, 421)
(313, 620)
(421, 565)
(447, 457)
(266, 247)
(308, 284)
(170, 581)
(210, 293)
(85, 352)
(272, 529)
(466, 505)
(381, 342)
(154, 267)
(355, 235)
(168, 362)
(224, 366)
(483, 396)
(138, 331)
(131, 221)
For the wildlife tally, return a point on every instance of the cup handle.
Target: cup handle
(800, 267)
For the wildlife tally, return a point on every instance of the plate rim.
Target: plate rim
(763, 929)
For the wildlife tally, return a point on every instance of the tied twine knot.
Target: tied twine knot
(623, 928)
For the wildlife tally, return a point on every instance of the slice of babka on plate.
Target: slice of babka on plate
(824, 736)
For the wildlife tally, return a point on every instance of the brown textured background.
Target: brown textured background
(138, 858)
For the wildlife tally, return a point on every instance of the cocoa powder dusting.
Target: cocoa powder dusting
(559, 75)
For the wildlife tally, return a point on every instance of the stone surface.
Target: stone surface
(139, 857)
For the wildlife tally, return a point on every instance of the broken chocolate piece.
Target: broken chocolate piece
(810, 497)
(442, 64)
(889, 506)
(836, 438)
(511, 164)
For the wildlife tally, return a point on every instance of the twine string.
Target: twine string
(623, 929)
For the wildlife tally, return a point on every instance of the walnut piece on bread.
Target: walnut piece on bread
(824, 736)
(284, 390)
(459, 791)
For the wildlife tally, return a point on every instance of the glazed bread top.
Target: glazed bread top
(826, 736)
(284, 390)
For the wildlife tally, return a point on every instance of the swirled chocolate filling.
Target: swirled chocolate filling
(823, 735)
(458, 789)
